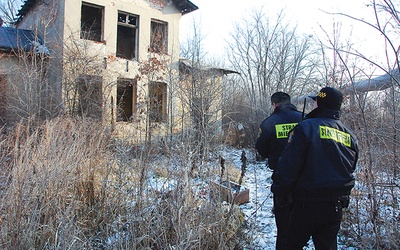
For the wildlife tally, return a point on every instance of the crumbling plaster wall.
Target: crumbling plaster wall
(123, 68)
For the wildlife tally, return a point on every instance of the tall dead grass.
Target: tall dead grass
(69, 185)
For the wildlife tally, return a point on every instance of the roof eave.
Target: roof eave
(185, 6)
(25, 8)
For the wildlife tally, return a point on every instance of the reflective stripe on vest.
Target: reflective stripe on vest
(282, 130)
(335, 134)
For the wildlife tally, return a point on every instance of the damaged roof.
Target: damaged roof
(12, 39)
(185, 6)
(186, 67)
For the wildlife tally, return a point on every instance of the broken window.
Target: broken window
(90, 96)
(158, 37)
(126, 99)
(3, 101)
(91, 22)
(127, 36)
(158, 101)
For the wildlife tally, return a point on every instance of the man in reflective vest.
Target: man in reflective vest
(316, 171)
(271, 141)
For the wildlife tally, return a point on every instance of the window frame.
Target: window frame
(123, 85)
(86, 29)
(90, 96)
(159, 45)
(158, 101)
(121, 51)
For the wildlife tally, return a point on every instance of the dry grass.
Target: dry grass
(68, 185)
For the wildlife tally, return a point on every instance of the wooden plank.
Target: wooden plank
(229, 191)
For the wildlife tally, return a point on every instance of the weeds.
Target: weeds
(69, 185)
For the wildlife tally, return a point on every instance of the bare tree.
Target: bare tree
(270, 56)
(374, 116)
(28, 89)
(28, 93)
(201, 91)
(82, 83)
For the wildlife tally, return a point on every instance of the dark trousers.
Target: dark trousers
(317, 219)
(282, 214)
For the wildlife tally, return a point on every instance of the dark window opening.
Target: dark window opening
(127, 34)
(91, 22)
(158, 101)
(90, 96)
(159, 37)
(126, 99)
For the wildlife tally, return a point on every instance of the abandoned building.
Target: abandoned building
(20, 52)
(112, 61)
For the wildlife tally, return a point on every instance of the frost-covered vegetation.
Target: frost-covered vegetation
(70, 183)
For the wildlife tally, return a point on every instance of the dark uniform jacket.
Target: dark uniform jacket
(319, 160)
(274, 132)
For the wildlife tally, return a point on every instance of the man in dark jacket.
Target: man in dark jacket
(274, 130)
(316, 171)
(270, 143)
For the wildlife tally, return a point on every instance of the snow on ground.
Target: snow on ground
(258, 210)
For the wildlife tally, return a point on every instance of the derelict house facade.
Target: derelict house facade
(111, 61)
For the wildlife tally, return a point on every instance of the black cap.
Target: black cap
(329, 98)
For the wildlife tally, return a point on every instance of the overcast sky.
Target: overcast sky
(217, 17)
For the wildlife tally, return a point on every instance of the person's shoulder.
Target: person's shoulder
(295, 114)
(308, 122)
(269, 119)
